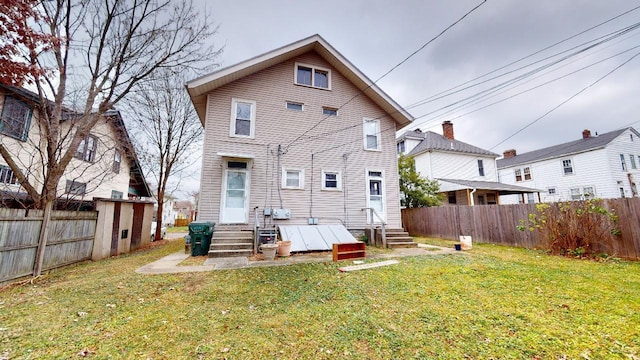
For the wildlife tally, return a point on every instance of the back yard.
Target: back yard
(494, 302)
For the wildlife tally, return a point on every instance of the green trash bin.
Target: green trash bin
(200, 234)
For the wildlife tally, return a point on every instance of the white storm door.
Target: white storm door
(234, 197)
(375, 195)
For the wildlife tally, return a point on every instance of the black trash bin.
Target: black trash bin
(200, 234)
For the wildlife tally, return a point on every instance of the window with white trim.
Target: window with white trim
(632, 160)
(292, 179)
(313, 76)
(552, 191)
(15, 118)
(518, 174)
(327, 111)
(87, 149)
(527, 173)
(7, 176)
(575, 194)
(75, 188)
(623, 163)
(243, 116)
(588, 192)
(567, 167)
(117, 160)
(331, 180)
(371, 129)
(295, 106)
(400, 146)
(480, 167)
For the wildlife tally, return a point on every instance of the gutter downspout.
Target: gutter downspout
(471, 196)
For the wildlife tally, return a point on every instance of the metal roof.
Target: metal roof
(200, 87)
(503, 189)
(433, 141)
(569, 148)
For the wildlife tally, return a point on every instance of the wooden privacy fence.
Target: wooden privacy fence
(71, 236)
(496, 224)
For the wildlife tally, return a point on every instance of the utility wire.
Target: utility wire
(387, 73)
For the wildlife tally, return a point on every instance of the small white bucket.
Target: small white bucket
(465, 242)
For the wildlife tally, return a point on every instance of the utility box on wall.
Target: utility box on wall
(281, 214)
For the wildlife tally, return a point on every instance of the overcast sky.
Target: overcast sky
(376, 35)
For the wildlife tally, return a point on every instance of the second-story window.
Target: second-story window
(87, 149)
(371, 128)
(401, 147)
(527, 173)
(117, 159)
(15, 119)
(567, 167)
(243, 116)
(632, 160)
(623, 164)
(7, 175)
(480, 167)
(518, 173)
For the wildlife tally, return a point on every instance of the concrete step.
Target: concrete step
(231, 246)
(230, 253)
(399, 239)
(394, 245)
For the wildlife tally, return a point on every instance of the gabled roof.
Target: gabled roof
(198, 88)
(569, 148)
(434, 141)
(503, 189)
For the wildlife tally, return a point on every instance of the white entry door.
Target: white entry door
(375, 195)
(235, 193)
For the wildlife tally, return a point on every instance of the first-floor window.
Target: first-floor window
(293, 178)
(551, 191)
(588, 192)
(116, 194)
(7, 176)
(331, 180)
(575, 194)
(75, 188)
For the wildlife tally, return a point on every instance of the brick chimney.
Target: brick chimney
(509, 153)
(447, 129)
(586, 133)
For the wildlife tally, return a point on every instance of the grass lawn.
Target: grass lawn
(492, 302)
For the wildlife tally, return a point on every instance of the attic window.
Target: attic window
(312, 76)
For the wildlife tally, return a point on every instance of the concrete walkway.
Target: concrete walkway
(169, 263)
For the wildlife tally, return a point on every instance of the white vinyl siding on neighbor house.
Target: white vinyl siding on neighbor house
(596, 173)
(243, 118)
(448, 165)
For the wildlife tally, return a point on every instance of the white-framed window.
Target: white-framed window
(552, 191)
(527, 173)
(243, 118)
(567, 167)
(87, 149)
(531, 198)
(7, 176)
(371, 129)
(518, 174)
(623, 164)
(588, 192)
(75, 188)
(328, 111)
(117, 160)
(632, 160)
(575, 194)
(294, 106)
(15, 118)
(313, 76)
(480, 167)
(400, 147)
(292, 178)
(331, 180)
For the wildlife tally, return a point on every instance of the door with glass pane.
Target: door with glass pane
(234, 193)
(375, 195)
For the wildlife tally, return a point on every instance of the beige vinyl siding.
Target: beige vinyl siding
(341, 151)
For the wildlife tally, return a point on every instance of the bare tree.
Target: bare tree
(99, 51)
(168, 131)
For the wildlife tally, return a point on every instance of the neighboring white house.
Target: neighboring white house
(601, 166)
(104, 166)
(467, 174)
(299, 130)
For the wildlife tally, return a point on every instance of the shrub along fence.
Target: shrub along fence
(496, 224)
(71, 236)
